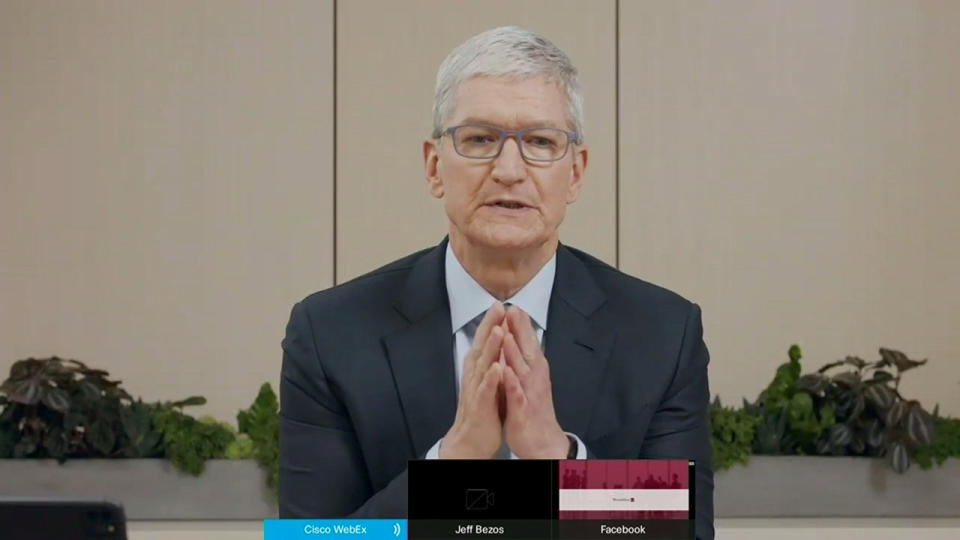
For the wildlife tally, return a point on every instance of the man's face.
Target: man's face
(481, 195)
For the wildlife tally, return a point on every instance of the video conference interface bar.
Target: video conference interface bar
(549, 499)
(527, 500)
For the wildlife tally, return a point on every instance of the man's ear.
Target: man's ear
(577, 172)
(431, 167)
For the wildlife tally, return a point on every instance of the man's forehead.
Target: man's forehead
(510, 103)
(513, 122)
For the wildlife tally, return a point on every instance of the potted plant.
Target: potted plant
(61, 409)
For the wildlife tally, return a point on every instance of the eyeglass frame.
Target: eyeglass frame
(572, 138)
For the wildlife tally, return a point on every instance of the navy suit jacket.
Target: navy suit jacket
(368, 381)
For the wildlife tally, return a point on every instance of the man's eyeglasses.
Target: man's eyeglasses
(542, 144)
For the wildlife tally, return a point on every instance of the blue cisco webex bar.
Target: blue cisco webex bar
(358, 529)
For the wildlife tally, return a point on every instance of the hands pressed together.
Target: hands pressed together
(505, 393)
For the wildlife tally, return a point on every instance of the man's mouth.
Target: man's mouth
(513, 205)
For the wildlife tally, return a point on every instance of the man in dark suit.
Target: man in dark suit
(500, 341)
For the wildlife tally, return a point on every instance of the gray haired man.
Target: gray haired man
(499, 341)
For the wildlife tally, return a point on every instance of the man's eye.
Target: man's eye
(541, 141)
(479, 139)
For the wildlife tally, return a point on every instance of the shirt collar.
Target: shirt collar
(468, 299)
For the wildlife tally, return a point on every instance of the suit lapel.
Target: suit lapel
(421, 354)
(578, 342)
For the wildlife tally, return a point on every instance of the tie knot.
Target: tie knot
(471, 327)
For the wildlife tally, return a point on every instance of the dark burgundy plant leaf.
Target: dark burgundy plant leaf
(840, 435)
(895, 414)
(55, 443)
(72, 420)
(858, 445)
(57, 399)
(823, 447)
(897, 456)
(831, 365)
(89, 390)
(28, 391)
(860, 404)
(880, 396)
(849, 379)
(100, 435)
(24, 369)
(191, 401)
(899, 360)
(85, 370)
(874, 433)
(920, 428)
(26, 446)
(854, 361)
(812, 383)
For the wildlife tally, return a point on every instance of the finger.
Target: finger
(493, 317)
(506, 330)
(514, 358)
(501, 402)
(516, 398)
(489, 354)
(489, 384)
(522, 329)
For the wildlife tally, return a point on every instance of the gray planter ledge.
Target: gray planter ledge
(770, 486)
(148, 489)
(804, 486)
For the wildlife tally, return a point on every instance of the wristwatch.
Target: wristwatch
(572, 452)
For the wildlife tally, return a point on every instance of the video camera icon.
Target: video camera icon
(479, 499)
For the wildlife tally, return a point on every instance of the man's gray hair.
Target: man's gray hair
(511, 52)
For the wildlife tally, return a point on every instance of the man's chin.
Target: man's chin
(511, 239)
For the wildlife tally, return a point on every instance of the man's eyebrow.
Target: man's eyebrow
(522, 124)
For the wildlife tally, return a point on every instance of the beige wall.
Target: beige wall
(794, 168)
(167, 187)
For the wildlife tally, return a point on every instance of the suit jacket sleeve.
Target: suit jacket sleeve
(680, 427)
(322, 471)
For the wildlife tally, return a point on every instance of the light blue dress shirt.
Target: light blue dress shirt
(469, 300)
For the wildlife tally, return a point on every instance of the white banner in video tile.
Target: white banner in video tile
(624, 499)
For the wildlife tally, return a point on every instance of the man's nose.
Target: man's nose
(509, 167)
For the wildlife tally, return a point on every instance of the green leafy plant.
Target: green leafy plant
(261, 423)
(732, 432)
(188, 442)
(56, 408)
(945, 445)
(858, 411)
(791, 420)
